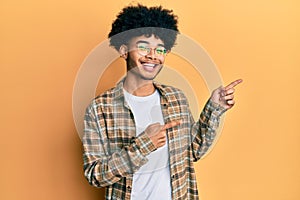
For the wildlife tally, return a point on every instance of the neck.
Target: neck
(139, 87)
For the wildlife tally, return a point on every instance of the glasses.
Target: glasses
(144, 49)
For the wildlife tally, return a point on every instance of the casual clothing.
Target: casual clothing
(113, 152)
(152, 180)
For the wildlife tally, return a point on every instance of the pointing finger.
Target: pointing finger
(233, 84)
(171, 124)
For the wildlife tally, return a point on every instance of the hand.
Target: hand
(157, 132)
(224, 95)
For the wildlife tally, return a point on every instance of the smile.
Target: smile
(149, 64)
(150, 67)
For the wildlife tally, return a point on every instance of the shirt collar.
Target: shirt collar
(118, 91)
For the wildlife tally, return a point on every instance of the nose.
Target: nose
(151, 54)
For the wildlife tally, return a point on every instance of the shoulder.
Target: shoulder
(106, 96)
(170, 91)
(104, 99)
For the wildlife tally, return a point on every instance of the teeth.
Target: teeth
(149, 64)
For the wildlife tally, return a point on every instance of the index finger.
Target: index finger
(233, 84)
(171, 124)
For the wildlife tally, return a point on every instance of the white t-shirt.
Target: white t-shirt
(152, 180)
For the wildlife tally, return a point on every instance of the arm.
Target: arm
(204, 130)
(102, 168)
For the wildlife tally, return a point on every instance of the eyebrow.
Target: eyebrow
(143, 41)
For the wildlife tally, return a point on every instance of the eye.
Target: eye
(142, 47)
(161, 50)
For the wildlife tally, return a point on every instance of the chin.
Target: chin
(150, 76)
(146, 78)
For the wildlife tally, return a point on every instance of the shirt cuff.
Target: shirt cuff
(144, 144)
(214, 109)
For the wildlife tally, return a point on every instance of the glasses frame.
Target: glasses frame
(149, 49)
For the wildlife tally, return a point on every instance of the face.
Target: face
(145, 58)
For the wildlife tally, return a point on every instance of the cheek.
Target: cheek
(132, 62)
(161, 60)
(132, 58)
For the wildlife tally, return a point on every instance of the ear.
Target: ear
(123, 50)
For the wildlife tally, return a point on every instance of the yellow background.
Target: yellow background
(43, 44)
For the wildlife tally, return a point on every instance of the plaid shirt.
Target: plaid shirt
(113, 153)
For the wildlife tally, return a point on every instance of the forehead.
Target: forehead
(152, 40)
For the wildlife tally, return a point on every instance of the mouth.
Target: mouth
(150, 67)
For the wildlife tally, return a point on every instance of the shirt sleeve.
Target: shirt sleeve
(102, 168)
(205, 129)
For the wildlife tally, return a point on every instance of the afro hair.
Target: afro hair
(134, 21)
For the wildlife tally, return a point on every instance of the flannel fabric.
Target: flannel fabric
(113, 153)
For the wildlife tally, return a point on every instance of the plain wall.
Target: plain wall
(43, 44)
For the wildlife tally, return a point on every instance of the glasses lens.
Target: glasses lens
(143, 49)
(161, 51)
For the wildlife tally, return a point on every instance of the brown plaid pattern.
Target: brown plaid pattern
(112, 152)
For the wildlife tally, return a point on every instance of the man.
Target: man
(140, 139)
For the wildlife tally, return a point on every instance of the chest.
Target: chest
(123, 123)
